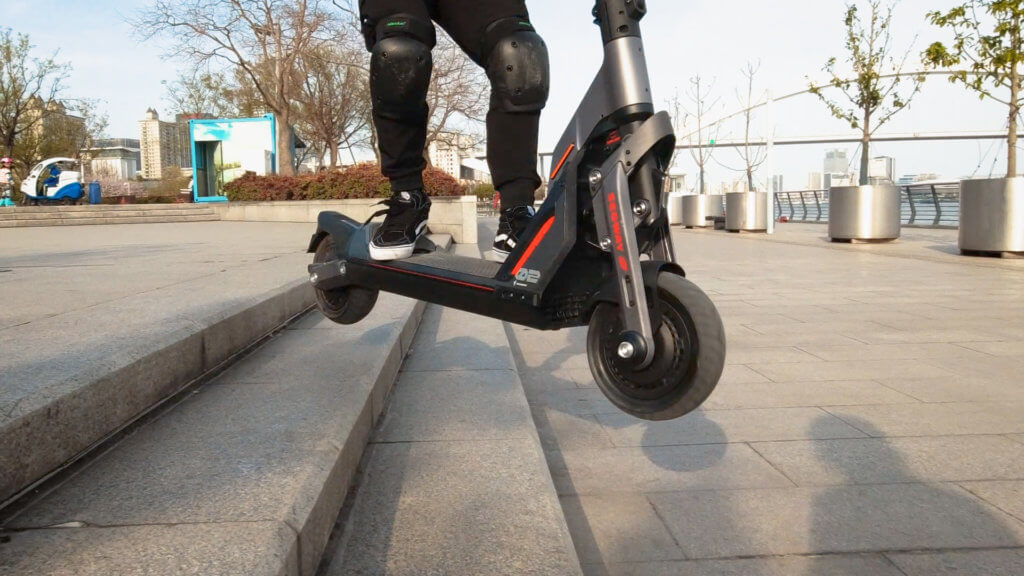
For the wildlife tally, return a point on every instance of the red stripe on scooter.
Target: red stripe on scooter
(533, 245)
(432, 277)
(562, 161)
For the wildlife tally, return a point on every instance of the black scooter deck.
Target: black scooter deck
(452, 263)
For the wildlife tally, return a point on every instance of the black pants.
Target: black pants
(511, 137)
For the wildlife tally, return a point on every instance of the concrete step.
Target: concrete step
(109, 219)
(71, 378)
(455, 480)
(246, 475)
(103, 214)
(101, 207)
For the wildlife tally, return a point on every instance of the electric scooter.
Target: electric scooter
(598, 252)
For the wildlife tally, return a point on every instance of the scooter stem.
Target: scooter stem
(619, 18)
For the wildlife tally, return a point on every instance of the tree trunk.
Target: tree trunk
(1011, 141)
(750, 180)
(333, 149)
(865, 151)
(285, 157)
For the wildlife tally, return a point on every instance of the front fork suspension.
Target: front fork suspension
(613, 209)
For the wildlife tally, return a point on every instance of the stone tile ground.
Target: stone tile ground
(870, 420)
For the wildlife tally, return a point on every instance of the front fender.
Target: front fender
(335, 225)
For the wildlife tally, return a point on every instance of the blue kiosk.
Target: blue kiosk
(225, 149)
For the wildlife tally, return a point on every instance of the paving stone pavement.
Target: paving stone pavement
(870, 420)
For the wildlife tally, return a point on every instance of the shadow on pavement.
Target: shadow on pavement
(880, 505)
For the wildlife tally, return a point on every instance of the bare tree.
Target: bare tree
(875, 92)
(333, 99)
(458, 97)
(261, 40)
(753, 157)
(702, 139)
(66, 130)
(459, 93)
(27, 86)
(198, 93)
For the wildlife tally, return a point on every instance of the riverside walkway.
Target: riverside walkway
(870, 421)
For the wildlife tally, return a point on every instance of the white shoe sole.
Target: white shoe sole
(496, 255)
(391, 252)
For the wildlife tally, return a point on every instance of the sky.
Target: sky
(792, 40)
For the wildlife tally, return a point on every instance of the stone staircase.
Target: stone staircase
(32, 216)
(247, 472)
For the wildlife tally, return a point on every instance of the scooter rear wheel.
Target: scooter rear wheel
(343, 305)
(689, 354)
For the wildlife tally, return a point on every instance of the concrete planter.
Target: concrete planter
(746, 211)
(716, 205)
(454, 215)
(675, 209)
(992, 216)
(695, 211)
(866, 213)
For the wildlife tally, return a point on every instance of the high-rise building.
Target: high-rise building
(162, 145)
(837, 162)
(777, 183)
(447, 153)
(814, 181)
(837, 169)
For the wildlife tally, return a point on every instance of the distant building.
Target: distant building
(882, 168)
(777, 183)
(836, 162)
(447, 153)
(814, 181)
(163, 145)
(676, 182)
(833, 180)
(114, 158)
(910, 179)
(475, 170)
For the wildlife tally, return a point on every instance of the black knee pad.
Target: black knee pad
(400, 66)
(517, 65)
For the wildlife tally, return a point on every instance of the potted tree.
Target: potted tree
(987, 38)
(875, 93)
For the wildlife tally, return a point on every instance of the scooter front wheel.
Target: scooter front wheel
(688, 360)
(342, 305)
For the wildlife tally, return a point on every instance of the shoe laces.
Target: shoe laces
(391, 204)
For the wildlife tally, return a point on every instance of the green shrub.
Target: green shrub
(483, 191)
(358, 181)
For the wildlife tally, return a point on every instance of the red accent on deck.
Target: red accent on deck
(533, 245)
(432, 277)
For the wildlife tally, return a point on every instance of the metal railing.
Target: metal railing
(804, 206)
(930, 205)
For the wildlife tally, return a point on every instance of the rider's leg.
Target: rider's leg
(498, 36)
(400, 35)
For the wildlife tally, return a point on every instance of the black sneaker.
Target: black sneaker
(405, 220)
(511, 226)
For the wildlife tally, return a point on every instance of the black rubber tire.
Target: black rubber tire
(345, 305)
(689, 354)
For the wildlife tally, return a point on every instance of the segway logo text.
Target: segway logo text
(613, 212)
